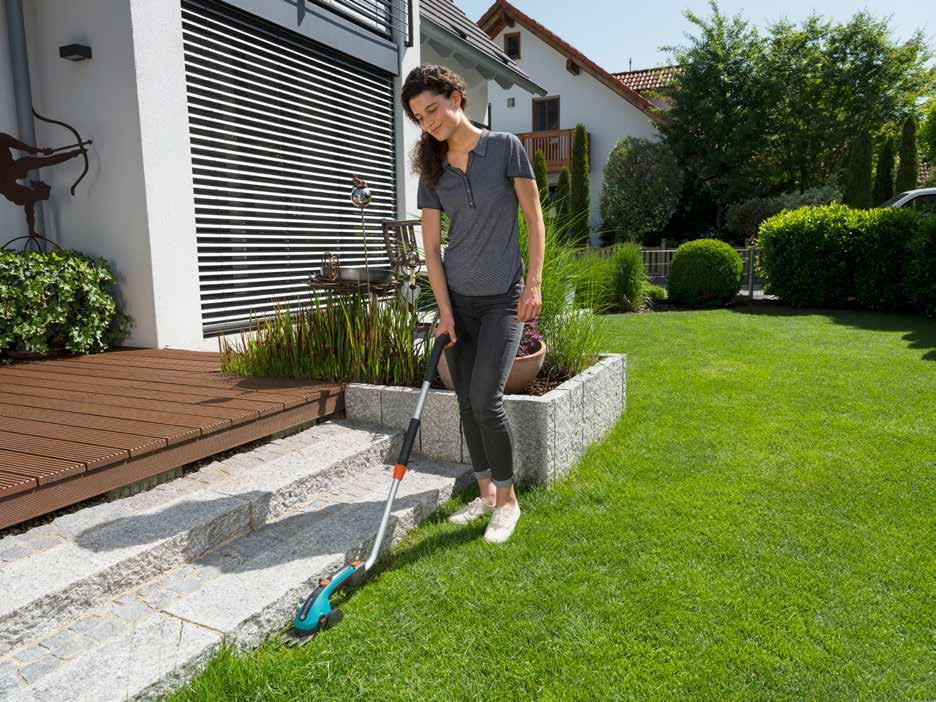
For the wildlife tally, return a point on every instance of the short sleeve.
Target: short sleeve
(426, 197)
(518, 163)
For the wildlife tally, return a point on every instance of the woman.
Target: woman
(477, 177)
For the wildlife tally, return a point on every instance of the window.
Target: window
(545, 114)
(927, 203)
(511, 102)
(512, 45)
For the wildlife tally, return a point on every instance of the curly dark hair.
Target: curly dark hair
(429, 153)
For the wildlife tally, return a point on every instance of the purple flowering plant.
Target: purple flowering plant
(530, 339)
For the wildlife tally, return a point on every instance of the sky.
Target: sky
(612, 33)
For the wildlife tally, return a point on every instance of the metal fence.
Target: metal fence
(657, 262)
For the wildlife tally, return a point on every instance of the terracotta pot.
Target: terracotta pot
(522, 372)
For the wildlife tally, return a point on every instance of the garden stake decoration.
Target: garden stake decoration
(361, 196)
(13, 170)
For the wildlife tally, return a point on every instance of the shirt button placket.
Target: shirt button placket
(468, 182)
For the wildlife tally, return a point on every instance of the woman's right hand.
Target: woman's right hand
(446, 326)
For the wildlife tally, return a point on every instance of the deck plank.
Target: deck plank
(134, 445)
(44, 469)
(212, 410)
(75, 427)
(111, 385)
(309, 390)
(171, 433)
(113, 393)
(205, 424)
(14, 483)
(92, 456)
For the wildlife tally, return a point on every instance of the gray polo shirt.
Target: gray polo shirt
(483, 252)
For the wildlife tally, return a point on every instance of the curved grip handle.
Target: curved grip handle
(437, 348)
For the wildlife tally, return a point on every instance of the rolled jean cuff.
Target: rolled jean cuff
(483, 475)
(504, 483)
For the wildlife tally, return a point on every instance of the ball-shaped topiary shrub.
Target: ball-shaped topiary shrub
(704, 273)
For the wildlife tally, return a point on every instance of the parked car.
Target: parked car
(922, 199)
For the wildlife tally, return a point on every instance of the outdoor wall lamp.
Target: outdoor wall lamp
(75, 52)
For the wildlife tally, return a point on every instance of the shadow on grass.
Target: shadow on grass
(920, 331)
(440, 540)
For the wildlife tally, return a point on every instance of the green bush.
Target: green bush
(593, 288)
(808, 256)
(342, 338)
(882, 237)
(573, 337)
(704, 273)
(831, 256)
(858, 172)
(742, 219)
(580, 206)
(563, 199)
(640, 189)
(654, 294)
(614, 283)
(630, 276)
(921, 267)
(542, 177)
(908, 166)
(58, 300)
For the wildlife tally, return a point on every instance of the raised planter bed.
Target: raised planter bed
(551, 431)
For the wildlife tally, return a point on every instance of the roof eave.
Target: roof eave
(492, 69)
(502, 11)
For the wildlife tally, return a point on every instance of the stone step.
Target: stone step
(154, 637)
(54, 572)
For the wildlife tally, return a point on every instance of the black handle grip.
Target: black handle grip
(440, 341)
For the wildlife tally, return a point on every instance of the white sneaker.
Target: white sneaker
(473, 510)
(502, 524)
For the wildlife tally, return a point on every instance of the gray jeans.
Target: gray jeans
(488, 333)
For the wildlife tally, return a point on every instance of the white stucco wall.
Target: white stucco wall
(134, 207)
(606, 115)
(12, 219)
(407, 133)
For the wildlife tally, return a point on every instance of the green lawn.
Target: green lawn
(759, 525)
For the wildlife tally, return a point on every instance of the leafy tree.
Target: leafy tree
(641, 188)
(717, 126)
(926, 135)
(580, 201)
(830, 82)
(884, 175)
(858, 177)
(755, 115)
(909, 168)
(542, 177)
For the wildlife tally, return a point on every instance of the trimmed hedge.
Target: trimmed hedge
(58, 300)
(743, 218)
(921, 267)
(835, 255)
(704, 273)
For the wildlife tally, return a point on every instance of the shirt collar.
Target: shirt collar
(480, 148)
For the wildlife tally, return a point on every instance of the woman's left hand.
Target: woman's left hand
(530, 302)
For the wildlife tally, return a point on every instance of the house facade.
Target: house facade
(578, 90)
(226, 135)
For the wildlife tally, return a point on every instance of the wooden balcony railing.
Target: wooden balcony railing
(556, 146)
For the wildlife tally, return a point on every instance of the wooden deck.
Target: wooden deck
(78, 427)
